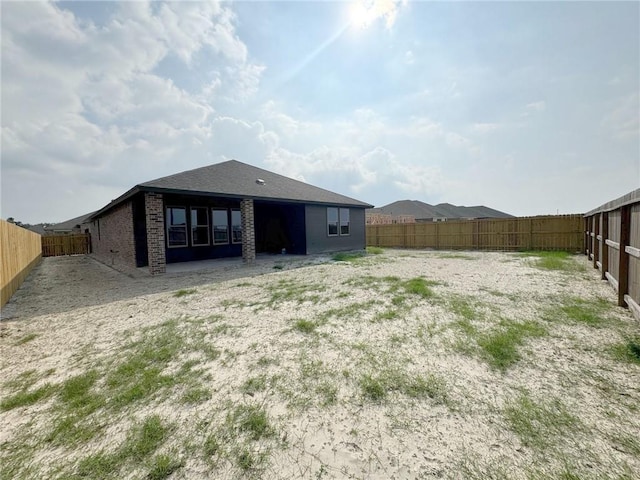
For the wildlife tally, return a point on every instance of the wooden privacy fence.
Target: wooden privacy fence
(612, 242)
(20, 252)
(56, 245)
(557, 232)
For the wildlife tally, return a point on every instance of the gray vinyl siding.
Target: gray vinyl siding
(318, 239)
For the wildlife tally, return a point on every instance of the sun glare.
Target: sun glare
(360, 15)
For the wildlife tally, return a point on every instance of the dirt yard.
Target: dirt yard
(395, 365)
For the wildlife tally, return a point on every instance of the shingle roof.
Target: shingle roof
(239, 180)
(421, 210)
(408, 207)
(234, 178)
(68, 225)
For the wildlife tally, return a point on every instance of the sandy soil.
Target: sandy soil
(80, 315)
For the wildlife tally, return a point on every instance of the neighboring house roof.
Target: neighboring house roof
(239, 180)
(421, 210)
(69, 225)
(38, 228)
(407, 207)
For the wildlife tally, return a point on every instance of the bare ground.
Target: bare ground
(407, 364)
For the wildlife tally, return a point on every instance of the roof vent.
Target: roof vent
(260, 181)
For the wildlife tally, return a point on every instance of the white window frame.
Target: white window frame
(213, 225)
(169, 226)
(341, 222)
(233, 240)
(197, 225)
(336, 223)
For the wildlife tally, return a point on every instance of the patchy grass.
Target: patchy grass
(463, 306)
(573, 310)
(253, 403)
(143, 440)
(456, 256)
(353, 310)
(196, 394)
(500, 347)
(375, 250)
(348, 256)
(27, 338)
(419, 287)
(251, 420)
(377, 387)
(373, 388)
(627, 351)
(25, 398)
(23, 381)
(184, 292)
(286, 290)
(554, 260)
(163, 466)
(305, 326)
(254, 385)
(539, 423)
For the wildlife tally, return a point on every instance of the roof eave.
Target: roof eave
(175, 191)
(114, 203)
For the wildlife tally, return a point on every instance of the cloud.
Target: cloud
(484, 128)
(539, 106)
(622, 120)
(409, 57)
(82, 100)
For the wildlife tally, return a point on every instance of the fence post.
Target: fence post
(623, 275)
(586, 237)
(605, 247)
(596, 242)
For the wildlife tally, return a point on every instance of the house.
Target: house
(423, 212)
(38, 228)
(229, 209)
(74, 225)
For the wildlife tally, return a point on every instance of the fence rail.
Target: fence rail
(554, 232)
(612, 242)
(57, 245)
(21, 250)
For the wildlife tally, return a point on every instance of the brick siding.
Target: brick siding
(248, 231)
(154, 208)
(112, 237)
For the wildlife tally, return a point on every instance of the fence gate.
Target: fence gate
(56, 245)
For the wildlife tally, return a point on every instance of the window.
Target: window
(344, 221)
(220, 221)
(338, 221)
(177, 226)
(332, 220)
(236, 226)
(199, 226)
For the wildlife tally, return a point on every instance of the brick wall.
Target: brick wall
(112, 237)
(154, 208)
(248, 231)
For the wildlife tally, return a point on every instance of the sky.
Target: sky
(531, 108)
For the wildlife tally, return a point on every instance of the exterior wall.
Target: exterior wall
(318, 239)
(190, 252)
(112, 238)
(154, 209)
(280, 226)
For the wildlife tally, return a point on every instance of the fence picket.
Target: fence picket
(57, 245)
(564, 232)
